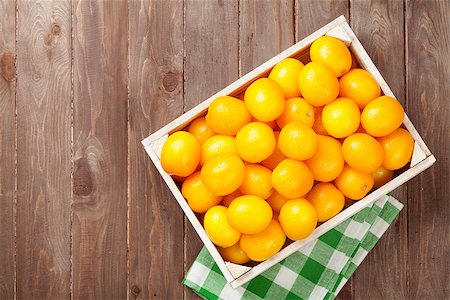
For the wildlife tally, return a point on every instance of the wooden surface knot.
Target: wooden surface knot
(36, 76)
(7, 66)
(170, 81)
(82, 178)
(56, 29)
(53, 36)
(135, 290)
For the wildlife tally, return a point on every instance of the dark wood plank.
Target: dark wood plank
(7, 147)
(43, 149)
(156, 97)
(211, 37)
(211, 63)
(310, 16)
(99, 230)
(266, 29)
(379, 27)
(427, 74)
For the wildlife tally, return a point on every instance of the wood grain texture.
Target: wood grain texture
(99, 230)
(379, 27)
(211, 37)
(7, 148)
(427, 74)
(310, 16)
(266, 29)
(43, 149)
(156, 97)
(179, 53)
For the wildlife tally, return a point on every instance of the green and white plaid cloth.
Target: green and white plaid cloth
(317, 271)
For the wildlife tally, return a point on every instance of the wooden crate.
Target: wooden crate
(235, 274)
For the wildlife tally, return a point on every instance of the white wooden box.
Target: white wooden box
(422, 158)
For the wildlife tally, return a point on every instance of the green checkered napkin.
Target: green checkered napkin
(318, 270)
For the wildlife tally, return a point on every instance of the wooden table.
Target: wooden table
(84, 214)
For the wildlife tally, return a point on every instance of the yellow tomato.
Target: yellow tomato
(362, 152)
(353, 184)
(226, 115)
(398, 148)
(274, 159)
(381, 176)
(265, 244)
(255, 142)
(230, 197)
(271, 124)
(298, 218)
(275, 216)
(178, 178)
(264, 99)
(327, 200)
(276, 201)
(332, 53)
(199, 198)
(318, 85)
(360, 129)
(297, 109)
(257, 181)
(218, 229)
(223, 174)
(341, 117)
(249, 214)
(200, 130)
(285, 73)
(382, 116)
(217, 145)
(297, 141)
(180, 154)
(360, 86)
(292, 178)
(318, 124)
(354, 63)
(234, 254)
(328, 162)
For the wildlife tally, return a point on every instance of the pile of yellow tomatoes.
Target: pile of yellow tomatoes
(271, 163)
